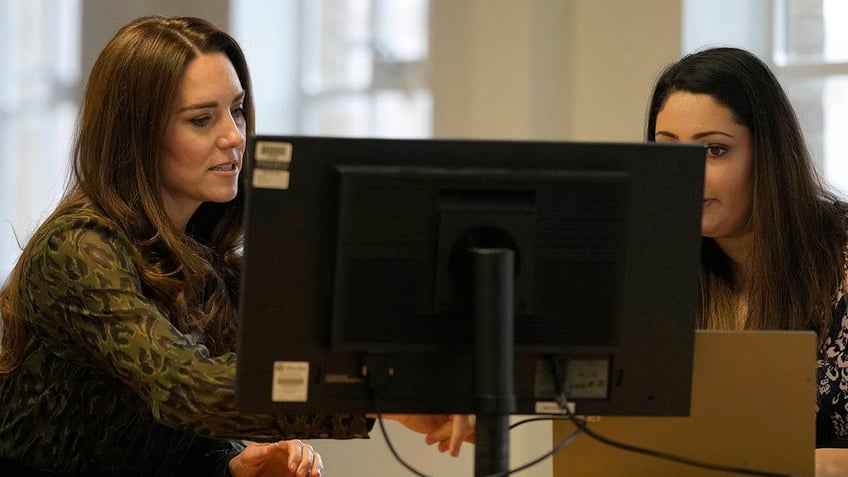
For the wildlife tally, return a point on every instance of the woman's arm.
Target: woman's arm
(89, 307)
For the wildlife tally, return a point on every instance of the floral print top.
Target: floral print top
(832, 375)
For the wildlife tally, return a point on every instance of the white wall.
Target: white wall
(549, 69)
(102, 18)
(525, 69)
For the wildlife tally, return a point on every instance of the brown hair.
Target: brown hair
(130, 95)
(799, 227)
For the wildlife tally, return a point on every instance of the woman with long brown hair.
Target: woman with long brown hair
(118, 321)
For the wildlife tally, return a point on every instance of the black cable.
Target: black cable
(389, 442)
(562, 445)
(545, 417)
(582, 425)
(682, 460)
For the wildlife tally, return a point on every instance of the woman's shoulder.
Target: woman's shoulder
(77, 233)
(81, 220)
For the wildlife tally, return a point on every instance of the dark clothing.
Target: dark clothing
(832, 375)
(109, 387)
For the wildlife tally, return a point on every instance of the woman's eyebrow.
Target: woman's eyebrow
(211, 104)
(699, 135)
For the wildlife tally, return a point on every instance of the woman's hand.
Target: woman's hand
(448, 430)
(291, 458)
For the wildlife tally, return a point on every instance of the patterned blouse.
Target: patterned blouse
(832, 375)
(108, 385)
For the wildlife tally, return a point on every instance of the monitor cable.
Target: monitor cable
(581, 424)
(564, 443)
(378, 371)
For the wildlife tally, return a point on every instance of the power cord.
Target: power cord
(378, 371)
(564, 443)
(389, 442)
(582, 425)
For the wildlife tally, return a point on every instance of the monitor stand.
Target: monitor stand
(494, 395)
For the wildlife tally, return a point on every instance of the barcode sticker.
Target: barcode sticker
(291, 381)
(271, 164)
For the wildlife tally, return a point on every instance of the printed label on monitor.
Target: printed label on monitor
(553, 407)
(271, 164)
(580, 378)
(587, 379)
(291, 381)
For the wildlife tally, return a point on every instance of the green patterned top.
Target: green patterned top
(109, 386)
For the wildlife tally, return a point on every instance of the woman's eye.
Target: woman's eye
(238, 113)
(714, 150)
(201, 121)
(238, 117)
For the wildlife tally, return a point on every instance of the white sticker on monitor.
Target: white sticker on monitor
(271, 162)
(291, 381)
(552, 407)
(587, 379)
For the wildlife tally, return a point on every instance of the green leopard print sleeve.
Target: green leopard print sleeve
(88, 307)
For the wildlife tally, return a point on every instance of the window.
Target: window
(346, 67)
(806, 44)
(360, 66)
(811, 58)
(39, 77)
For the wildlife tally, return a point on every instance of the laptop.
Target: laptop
(753, 406)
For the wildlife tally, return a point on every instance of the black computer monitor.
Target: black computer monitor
(356, 258)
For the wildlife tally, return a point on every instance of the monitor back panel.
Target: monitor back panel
(753, 406)
(354, 258)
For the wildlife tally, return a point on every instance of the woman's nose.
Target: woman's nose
(233, 136)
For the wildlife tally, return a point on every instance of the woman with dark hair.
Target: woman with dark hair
(118, 321)
(774, 248)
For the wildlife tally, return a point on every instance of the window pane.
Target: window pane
(399, 114)
(394, 114)
(835, 34)
(821, 106)
(344, 115)
(401, 29)
(337, 45)
(358, 67)
(813, 31)
(39, 77)
(835, 101)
